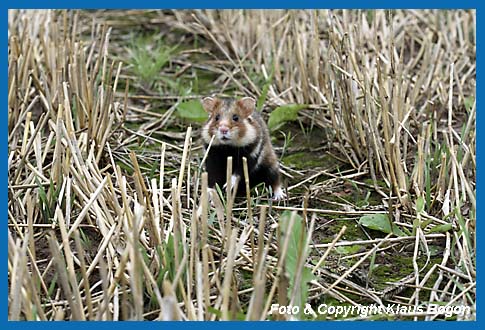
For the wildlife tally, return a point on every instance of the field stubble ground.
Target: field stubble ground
(108, 217)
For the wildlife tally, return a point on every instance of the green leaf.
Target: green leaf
(441, 228)
(469, 101)
(52, 286)
(214, 311)
(192, 110)
(370, 16)
(397, 231)
(420, 205)
(347, 250)
(297, 240)
(153, 169)
(425, 223)
(169, 255)
(427, 180)
(45, 208)
(283, 114)
(380, 222)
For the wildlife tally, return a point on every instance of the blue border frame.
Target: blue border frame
(254, 4)
(211, 4)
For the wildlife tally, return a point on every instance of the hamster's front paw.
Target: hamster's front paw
(278, 194)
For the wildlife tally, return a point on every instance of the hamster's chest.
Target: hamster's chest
(219, 154)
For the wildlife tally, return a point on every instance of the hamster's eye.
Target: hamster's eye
(217, 117)
(235, 117)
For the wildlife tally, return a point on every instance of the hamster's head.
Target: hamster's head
(230, 121)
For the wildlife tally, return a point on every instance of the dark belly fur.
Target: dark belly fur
(216, 166)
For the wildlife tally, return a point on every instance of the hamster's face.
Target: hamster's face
(229, 122)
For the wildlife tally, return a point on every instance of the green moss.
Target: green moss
(306, 160)
(393, 268)
(327, 233)
(380, 183)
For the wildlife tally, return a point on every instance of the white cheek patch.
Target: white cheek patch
(207, 135)
(250, 136)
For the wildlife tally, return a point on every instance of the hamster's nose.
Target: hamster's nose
(224, 130)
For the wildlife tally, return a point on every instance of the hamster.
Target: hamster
(239, 131)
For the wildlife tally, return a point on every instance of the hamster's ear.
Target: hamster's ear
(210, 103)
(247, 105)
